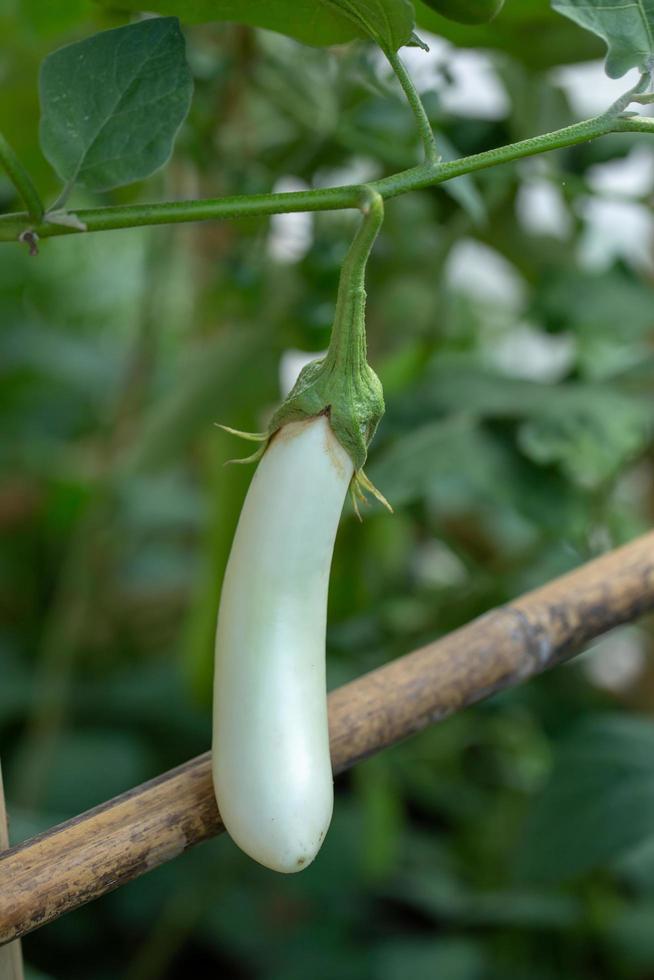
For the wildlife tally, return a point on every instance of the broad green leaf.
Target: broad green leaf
(598, 803)
(589, 431)
(467, 11)
(388, 22)
(311, 21)
(458, 466)
(449, 460)
(627, 27)
(591, 441)
(112, 104)
(528, 30)
(593, 302)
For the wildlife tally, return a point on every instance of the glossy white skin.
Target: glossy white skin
(271, 766)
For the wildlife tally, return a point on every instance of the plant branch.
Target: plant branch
(116, 842)
(323, 199)
(177, 212)
(21, 180)
(414, 100)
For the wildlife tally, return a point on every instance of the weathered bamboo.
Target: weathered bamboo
(110, 845)
(11, 955)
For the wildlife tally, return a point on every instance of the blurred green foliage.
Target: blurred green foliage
(513, 841)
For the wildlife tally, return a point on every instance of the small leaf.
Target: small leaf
(417, 42)
(388, 22)
(66, 218)
(627, 27)
(113, 103)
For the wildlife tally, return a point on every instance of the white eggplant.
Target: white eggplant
(271, 765)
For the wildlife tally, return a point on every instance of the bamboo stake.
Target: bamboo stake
(123, 838)
(11, 955)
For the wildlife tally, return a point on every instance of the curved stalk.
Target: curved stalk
(342, 383)
(422, 120)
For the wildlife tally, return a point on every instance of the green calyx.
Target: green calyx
(345, 389)
(342, 385)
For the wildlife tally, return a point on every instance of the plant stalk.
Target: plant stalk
(323, 199)
(348, 340)
(21, 180)
(422, 120)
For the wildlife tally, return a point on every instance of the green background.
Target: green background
(513, 841)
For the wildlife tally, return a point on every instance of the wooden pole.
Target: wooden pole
(85, 857)
(11, 955)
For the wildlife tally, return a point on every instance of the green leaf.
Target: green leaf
(528, 30)
(627, 27)
(388, 22)
(598, 803)
(112, 104)
(467, 11)
(591, 437)
(589, 431)
(310, 21)
(449, 460)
